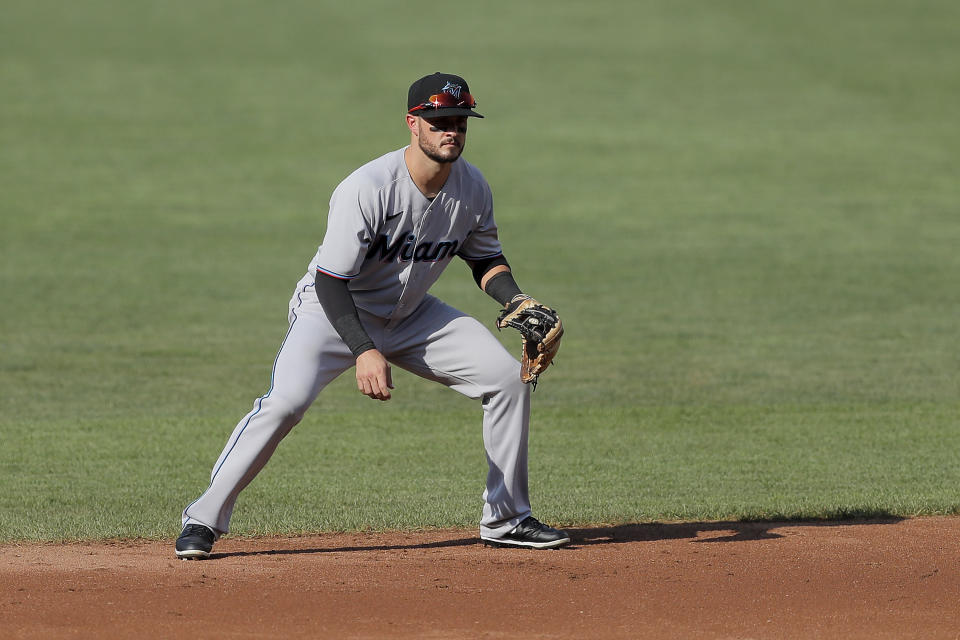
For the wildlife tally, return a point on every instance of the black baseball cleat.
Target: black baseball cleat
(195, 542)
(532, 534)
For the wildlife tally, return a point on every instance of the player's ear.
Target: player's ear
(413, 123)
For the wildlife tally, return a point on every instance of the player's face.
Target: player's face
(443, 139)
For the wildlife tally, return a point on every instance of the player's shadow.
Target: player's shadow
(466, 541)
(729, 531)
(696, 532)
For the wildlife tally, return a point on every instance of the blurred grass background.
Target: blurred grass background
(746, 213)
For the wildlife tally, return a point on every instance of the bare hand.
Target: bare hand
(373, 375)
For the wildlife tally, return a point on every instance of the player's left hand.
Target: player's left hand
(541, 329)
(373, 375)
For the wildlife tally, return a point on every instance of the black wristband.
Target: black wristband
(502, 287)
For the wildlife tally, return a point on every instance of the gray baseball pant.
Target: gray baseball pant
(436, 342)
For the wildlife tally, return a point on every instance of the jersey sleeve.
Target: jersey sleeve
(349, 231)
(483, 242)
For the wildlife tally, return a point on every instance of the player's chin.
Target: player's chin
(450, 152)
(449, 155)
(444, 153)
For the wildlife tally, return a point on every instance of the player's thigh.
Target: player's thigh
(442, 343)
(310, 357)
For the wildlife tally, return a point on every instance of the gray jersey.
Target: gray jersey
(392, 243)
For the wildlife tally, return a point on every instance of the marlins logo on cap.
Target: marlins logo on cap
(452, 89)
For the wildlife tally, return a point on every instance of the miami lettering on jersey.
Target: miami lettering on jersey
(406, 248)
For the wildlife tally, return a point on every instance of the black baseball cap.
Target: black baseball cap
(439, 95)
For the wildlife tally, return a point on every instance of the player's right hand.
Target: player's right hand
(373, 375)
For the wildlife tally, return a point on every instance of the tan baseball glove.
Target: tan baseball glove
(541, 329)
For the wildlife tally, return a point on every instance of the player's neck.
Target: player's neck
(428, 174)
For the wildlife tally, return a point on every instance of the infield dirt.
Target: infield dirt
(867, 579)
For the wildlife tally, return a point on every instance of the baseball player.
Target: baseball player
(394, 225)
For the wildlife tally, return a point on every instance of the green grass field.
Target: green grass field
(748, 215)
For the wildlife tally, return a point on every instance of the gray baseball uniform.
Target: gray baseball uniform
(391, 243)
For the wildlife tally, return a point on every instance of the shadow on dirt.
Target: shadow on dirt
(466, 541)
(731, 531)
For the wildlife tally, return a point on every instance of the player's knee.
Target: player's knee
(293, 417)
(510, 383)
(288, 412)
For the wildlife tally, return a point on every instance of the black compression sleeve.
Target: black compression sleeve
(337, 303)
(502, 287)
